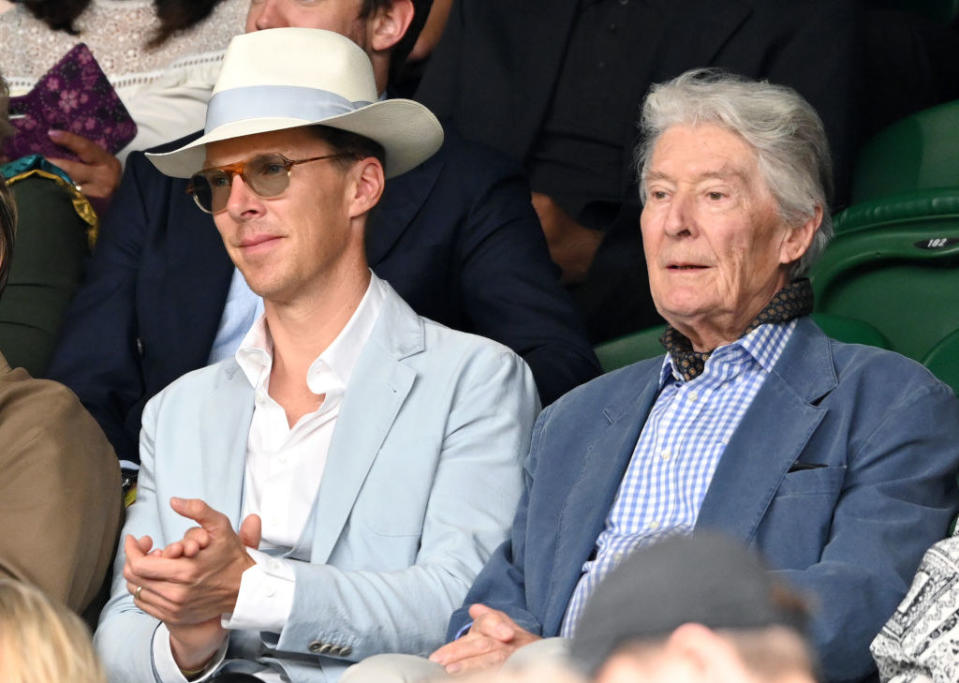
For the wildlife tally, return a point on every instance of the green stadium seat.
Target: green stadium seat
(943, 360)
(620, 352)
(920, 152)
(942, 11)
(893, 260)
(631, 348)
(897, 273)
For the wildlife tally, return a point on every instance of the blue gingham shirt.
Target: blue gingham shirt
(677, 452)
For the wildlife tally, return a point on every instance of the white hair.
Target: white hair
(783, 129)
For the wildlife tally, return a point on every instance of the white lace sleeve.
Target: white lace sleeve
(919, 642)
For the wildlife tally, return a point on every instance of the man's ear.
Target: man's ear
(366, 186)
(798, 239)
(389, 24)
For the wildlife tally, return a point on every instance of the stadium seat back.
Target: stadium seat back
(897, 272)
(943, 360)
(920, 152)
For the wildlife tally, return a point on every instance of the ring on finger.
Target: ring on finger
(136, 593)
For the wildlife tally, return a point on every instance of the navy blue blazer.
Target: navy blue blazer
(456, 237)
(842, 472)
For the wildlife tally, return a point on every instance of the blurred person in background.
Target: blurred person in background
(57, 228)
(161, 56)
(60, 503)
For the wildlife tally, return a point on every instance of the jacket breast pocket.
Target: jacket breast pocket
(797, 523)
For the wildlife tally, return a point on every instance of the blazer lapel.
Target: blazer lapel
(592, 493)
(693, 37)
(539, 30)
(377, 389)
(697, 32)
(773, 433)
(402, 199)
(198, 278)
(228, 412)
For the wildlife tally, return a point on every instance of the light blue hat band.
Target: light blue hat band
(276, 101)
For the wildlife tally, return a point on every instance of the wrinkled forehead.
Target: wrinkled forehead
(692, 153)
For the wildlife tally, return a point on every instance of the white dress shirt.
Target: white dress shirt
(284, 467)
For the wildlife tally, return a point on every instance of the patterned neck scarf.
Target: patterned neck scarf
(792, 301)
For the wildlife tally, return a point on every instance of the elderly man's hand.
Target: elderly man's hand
(98, 172)
(491, 639)
(571, 246)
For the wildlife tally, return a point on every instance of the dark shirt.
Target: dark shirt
(582, 156)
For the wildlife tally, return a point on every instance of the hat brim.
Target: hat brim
(408, 131)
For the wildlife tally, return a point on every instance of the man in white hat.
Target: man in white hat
(456, 237)
(371, 455)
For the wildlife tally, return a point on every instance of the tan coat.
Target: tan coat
(60, 501)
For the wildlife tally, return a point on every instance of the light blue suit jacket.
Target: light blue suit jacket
(421, 482)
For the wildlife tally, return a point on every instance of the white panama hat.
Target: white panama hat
(290, 77)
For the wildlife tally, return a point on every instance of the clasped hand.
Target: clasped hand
(190, 583)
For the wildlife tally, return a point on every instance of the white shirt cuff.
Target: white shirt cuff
(266, 595)
(167, 668)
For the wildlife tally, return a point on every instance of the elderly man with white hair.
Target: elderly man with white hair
(835, 461)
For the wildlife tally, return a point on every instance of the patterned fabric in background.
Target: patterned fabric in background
(920, 642)
(75, 96)
(792, 301)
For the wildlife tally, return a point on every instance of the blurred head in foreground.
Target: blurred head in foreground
(42, 641)
(700, 609)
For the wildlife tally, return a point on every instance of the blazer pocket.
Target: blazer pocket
(797, 523)
(809, 480)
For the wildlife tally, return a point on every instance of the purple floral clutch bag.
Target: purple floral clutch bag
(75, 96)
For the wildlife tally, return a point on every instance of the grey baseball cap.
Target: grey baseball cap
(707, 579)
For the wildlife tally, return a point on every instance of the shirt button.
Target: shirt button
(694, 396)
(666, 455)
(654, 525)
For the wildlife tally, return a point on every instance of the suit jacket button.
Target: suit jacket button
(315, 647)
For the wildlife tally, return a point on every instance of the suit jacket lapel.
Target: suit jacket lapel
(693, 37)
(402, 199)
(773, 433)
(378, 387)
(539, 30)
(697, 32)
(199, 274)
(592, 493)
(227, 412)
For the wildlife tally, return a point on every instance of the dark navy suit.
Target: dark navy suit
(456, 237)
(842, 472)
